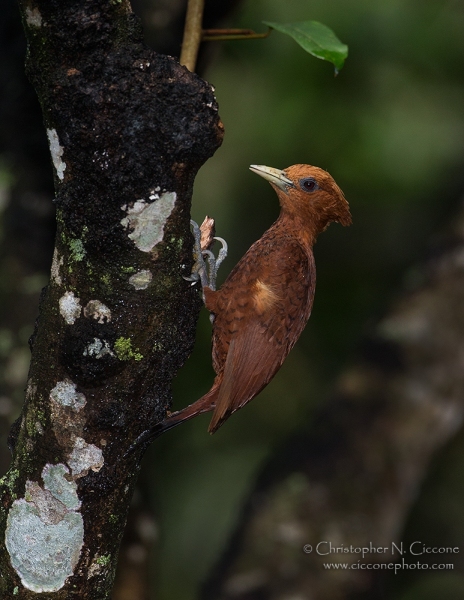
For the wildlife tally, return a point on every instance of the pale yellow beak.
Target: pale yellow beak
(274, 176)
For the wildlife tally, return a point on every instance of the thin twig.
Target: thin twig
(216, 35)
(192, 34)
(227, 31)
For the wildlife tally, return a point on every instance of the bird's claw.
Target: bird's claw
(206, 264)
(193, 278)
(222, 254)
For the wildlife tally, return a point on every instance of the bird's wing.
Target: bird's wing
(264, 324)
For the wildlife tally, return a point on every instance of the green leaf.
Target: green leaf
(315, 38)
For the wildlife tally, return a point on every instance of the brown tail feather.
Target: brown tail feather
(222, 408)
(204, 404)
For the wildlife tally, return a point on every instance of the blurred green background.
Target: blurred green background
(390, 129)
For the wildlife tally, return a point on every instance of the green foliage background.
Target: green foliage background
(390, 130)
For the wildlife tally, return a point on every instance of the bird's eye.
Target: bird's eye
(309, 184)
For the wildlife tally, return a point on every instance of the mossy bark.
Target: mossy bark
(128, 130)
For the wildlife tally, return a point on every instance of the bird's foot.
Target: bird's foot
(206, 264)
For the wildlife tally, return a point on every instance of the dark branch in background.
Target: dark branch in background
(352, 478)
(132, 580)
(128, 130)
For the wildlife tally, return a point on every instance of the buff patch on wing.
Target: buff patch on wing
(264, 296)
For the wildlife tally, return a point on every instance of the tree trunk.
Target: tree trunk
(128, 130)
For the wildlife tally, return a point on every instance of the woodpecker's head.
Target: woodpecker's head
(309, 193)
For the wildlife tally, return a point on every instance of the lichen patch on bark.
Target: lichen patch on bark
(141, 280)
(63, 490)
(98, 348)
(33, 17)
(45, 531)
(98, 311)
(55, 270)
(147, 220)
(70, 307)
(84, 457)
(68, 418)
(56, 151)
(65, 393)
